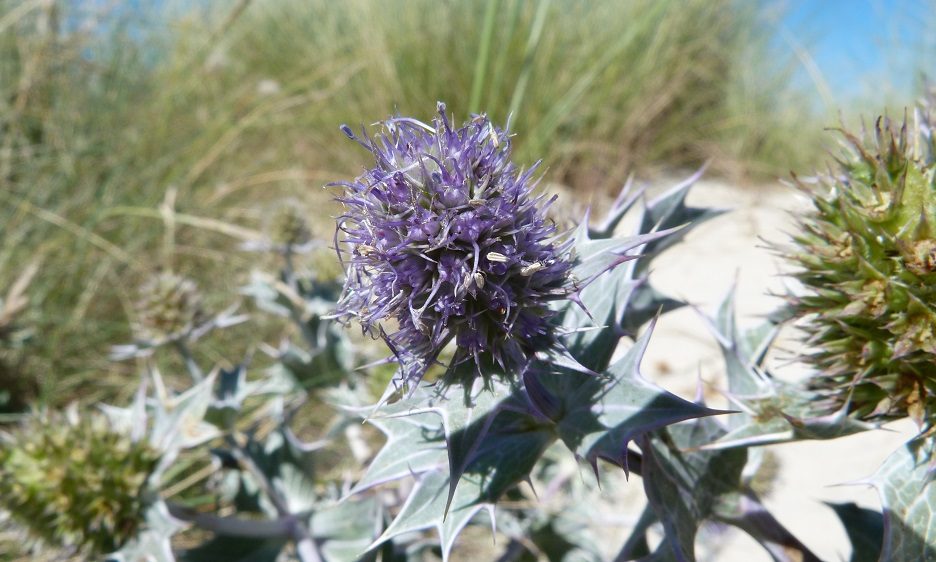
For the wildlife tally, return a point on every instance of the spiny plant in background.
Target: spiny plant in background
(169, 312)
(288, 227)
(238, 428)
(867, 263)
(169, 308)
(75, 481)
(285, 230)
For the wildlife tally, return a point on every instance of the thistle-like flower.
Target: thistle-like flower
(169, 311)
(75, 482)
(867, 258)
(169, 308)
(285, 230)
(446, 240)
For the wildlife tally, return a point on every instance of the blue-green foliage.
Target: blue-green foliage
(453, 455)
(493, 437)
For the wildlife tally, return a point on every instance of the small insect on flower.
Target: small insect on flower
(445, 239)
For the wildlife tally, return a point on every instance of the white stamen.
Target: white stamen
(496, 257)
(531, 269)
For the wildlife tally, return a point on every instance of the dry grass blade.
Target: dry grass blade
(16, 298)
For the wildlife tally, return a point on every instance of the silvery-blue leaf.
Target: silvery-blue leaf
(602, 414)
(178, 422)
(346, 530)
(669, 210)
(619, 302)
(685, 488)
(154, 541)
(415, 444)
(261, 288)
(772, 411)
(908, 496)
(474, 445)
(426, 503)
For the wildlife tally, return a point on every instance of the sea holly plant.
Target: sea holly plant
(516, 388)
(169, 312)
(771, 410)
(505, 394)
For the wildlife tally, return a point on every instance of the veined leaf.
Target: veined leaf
(466, 449)
(908, 495)
(685, 488)
(415, 444)
(602, 414)
(427, 502)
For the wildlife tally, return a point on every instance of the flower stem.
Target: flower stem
(190, 364)
(306, 548)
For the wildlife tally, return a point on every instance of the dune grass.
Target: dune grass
(156, 137)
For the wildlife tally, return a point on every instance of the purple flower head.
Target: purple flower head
(445, 240)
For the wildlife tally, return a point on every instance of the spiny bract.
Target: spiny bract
(868, 261)
(445, 238)
(75, 483)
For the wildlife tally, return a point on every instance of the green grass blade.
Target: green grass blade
(536, 32)
(484, 49)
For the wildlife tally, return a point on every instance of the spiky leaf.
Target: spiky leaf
(480, 443)
(154, 542)
(425, 506)
(669, 210)
(602, 414)
(178, 421)
(345, 530)
(908, 496)
(772, 411)
(685, 488)
(415, 444)
(621, 301)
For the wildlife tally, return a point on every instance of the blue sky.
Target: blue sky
(869, 50)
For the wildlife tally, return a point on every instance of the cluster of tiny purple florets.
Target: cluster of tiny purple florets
(445, 240)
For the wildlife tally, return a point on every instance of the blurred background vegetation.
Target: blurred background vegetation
(151, 135)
